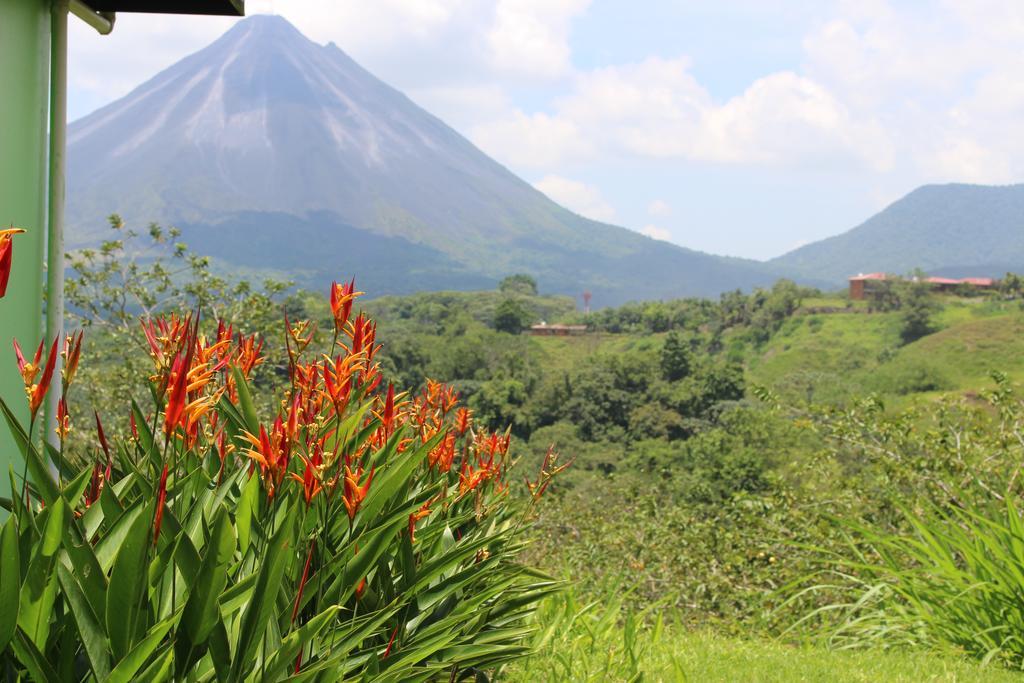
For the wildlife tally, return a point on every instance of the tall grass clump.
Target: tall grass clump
(357, 533)
(954, 580)
(599, 640)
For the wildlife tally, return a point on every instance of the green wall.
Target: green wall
(24, 96)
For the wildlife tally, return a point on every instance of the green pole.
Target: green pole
(55, 213)
(24, 95)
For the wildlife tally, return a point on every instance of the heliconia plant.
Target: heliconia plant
(361, 533)
(6, 256)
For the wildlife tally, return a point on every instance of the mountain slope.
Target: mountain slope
(955, 230)
(270, 150)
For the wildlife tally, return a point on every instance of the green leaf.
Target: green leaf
(91, 577)
(40, 473)
(93, 637)
(40, 588)
(160, 669)
(126, 669)
(283, 658)
(113, 538)
(245, 403)
(248, 507)
(31, 658)
(393, 481)
(75, 489)
(220, 650)
(145, 436)
(201, 609)
(10, 580)
(272, 567)
(127, 583)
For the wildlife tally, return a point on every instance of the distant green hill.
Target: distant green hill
(953, 230)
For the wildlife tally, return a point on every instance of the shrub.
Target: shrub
(511, 316)
(520, 283)
(362, 533)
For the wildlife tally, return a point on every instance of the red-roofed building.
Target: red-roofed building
(983, 282)
(944, 284)
(861, 284)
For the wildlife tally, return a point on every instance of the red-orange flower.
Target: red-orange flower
(337, 376)
(63, 420)
(423, 512)
(28, 369)
(92, 494)
(443, 454)
(354, 494)
(178, 395)
(463, 420)
(310, 478)
(36, 392)
(71, 354)
(271, 451)
(6, 257)
(342, 297)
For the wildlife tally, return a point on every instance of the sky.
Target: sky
(738, 127)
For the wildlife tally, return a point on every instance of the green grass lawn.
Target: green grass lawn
(602, 640)
(704, 657)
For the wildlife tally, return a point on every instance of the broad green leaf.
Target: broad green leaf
(39, 669)
(110, 542)
(145, 435)
(248, 507)
(283, 659)
(40, 588)
(391, 482)
(78, 556)
(127, 585)
(201, 609)
(245, 403)
(40, 473)
(91, 633)
(161, 668)
(126, 669)
(220, 650)
(272, 567)
(234, 418)
(75, 489)
(10, 580)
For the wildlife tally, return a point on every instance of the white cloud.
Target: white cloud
(107, 67)
(656, 109)
(659, 208)
(413, 44)
(943, 78)
(586, 200)
(654, 232)
(530, 37)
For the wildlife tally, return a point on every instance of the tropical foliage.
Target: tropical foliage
(361, 532)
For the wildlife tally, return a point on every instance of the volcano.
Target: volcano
(273, 153)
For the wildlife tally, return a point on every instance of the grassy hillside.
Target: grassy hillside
(833, 356)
